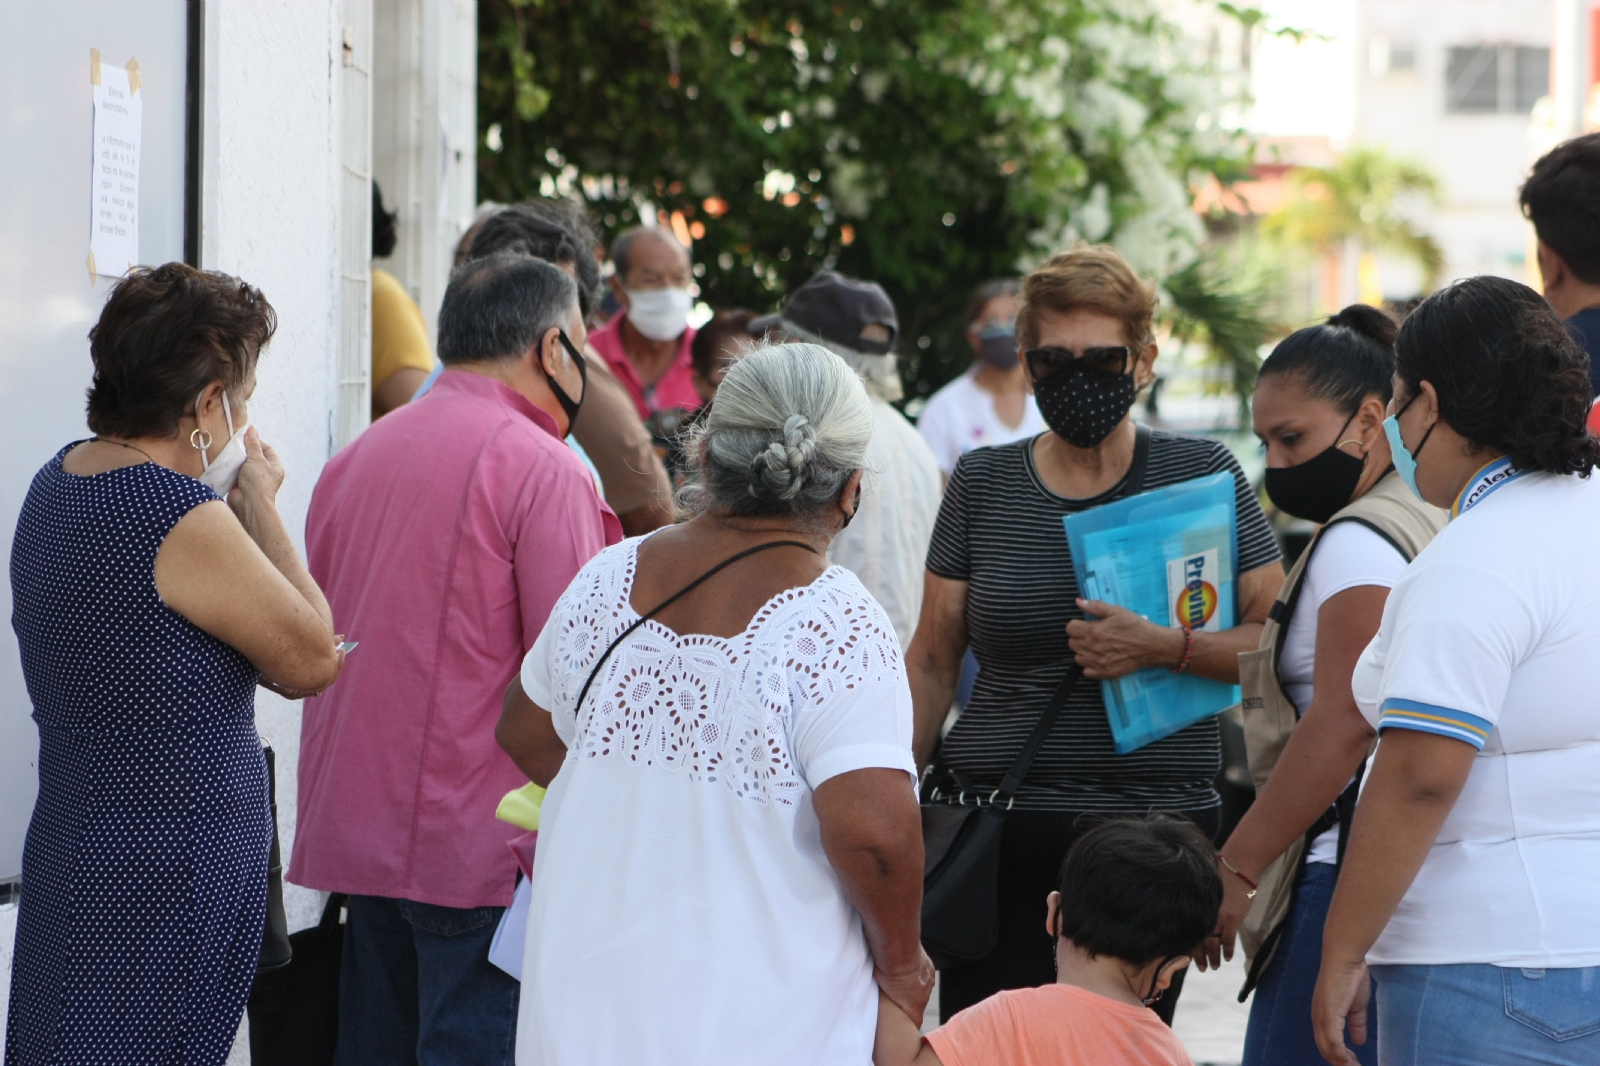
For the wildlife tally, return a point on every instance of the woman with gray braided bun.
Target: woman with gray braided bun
(724, 724)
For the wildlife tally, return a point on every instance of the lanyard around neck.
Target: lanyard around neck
(1485, 483)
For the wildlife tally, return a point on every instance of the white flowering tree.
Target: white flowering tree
(926, 144)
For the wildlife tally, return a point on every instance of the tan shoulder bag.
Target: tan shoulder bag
(1394, 513)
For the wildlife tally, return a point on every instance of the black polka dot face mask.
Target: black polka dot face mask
(1084, 406)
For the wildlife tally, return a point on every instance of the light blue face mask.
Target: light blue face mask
(1405, 461)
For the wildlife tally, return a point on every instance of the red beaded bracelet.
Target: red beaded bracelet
(1188, 649)
(1248, 882)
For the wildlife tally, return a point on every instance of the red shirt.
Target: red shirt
(674, 390)
(442, 537)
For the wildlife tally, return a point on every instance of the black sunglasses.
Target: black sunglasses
(1111, 361)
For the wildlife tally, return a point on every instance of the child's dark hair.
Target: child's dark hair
(1343, 360)
(1140, 889)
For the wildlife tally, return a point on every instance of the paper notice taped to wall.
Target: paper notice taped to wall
(114, 172)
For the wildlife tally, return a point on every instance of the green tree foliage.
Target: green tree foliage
(1362, 197)
(1226, 303)
(926, 144)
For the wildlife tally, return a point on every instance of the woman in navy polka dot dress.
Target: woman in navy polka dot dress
(147, 609)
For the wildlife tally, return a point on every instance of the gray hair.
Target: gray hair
(790, 424)
(622, 248)
(498, 307)
(879, 373)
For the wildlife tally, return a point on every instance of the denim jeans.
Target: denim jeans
(1279, 1033)
(1481, 1015)
(416, 986)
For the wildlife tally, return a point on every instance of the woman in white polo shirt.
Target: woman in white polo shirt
(1471, 884)
(991, 403)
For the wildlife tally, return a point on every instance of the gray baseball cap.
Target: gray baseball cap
(841, 311)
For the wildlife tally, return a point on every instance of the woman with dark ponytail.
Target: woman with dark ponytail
(1318, 409)
(1468, 884)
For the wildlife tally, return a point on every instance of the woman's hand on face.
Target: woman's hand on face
(259, 477)
(1118, 642)
(1343, 991)
(911, 990)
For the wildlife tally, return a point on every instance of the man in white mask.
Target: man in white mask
(646, 346)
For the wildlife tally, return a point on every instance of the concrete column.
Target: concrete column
(1571, 64)
(425, 135)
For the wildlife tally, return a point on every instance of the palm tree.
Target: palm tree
(1220, 302)
(1359, 199)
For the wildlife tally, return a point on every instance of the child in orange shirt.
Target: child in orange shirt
(1137, 896)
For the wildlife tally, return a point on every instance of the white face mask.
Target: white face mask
(222, 473)
(660, 314)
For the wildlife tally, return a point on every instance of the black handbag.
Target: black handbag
(275, 948)
(961, 844)
(294, 1010)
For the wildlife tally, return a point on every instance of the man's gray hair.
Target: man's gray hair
(790, 424)
(498, 307)
(879, 373)
(622, 248)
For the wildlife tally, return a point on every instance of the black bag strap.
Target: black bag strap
(1041, 729)
(1141, 461)
(674, 598)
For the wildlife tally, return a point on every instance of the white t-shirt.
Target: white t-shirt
(886, 544)
(683, 910)
(961, 417)
(1348, 555)
(1491, 637)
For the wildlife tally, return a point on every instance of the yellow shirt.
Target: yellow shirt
(399, 336)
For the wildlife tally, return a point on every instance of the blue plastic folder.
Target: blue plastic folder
(1168, 555)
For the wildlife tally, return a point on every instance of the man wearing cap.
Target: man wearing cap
(887, 541)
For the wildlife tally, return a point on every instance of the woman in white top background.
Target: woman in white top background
(991, 403)
(730, 853)
(1471, 883)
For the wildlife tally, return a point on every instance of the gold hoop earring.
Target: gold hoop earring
(199, 439)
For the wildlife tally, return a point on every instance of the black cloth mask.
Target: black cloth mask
(568, 404)
(998, 348)
(1084, 407)
(1317, 488)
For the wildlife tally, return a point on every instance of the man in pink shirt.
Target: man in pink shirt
(442, 537)
(647, 344)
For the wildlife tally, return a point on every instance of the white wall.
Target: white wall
(1480, 158)
(425, 136)
(270, 216)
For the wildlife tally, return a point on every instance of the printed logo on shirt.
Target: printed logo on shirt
(1192, 591)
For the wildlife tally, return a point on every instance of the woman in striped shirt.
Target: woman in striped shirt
(1000, 578)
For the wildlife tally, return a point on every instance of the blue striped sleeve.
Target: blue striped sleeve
(1426, 718)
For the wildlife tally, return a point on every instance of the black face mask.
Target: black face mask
(1083, 407)
(568, 404)
(1317, 488)
(998, 348)
(849, 515)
